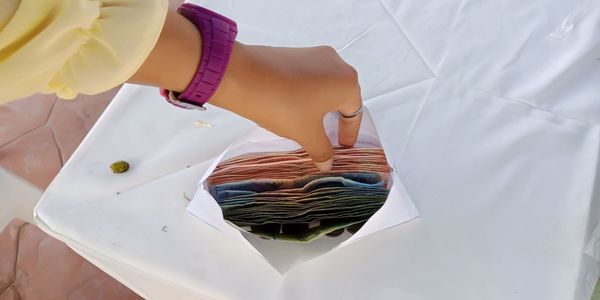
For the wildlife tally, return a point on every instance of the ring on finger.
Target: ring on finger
(354, 114)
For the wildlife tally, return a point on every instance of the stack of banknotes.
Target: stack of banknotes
(284, 196)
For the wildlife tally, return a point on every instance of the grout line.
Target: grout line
(14, 277)
(60, 155)
(22, 135)
(51, 110)
(60, 152)
(35, 128)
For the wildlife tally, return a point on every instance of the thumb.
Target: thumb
(318, 147)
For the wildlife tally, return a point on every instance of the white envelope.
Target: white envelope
(397, 209)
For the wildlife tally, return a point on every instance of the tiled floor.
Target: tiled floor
(37, 136)
(34, 265)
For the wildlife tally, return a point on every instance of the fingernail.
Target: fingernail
(325, 166)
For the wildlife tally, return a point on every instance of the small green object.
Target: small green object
(120, 166)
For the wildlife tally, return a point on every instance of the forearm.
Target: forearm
(174, 60)
(285, 90)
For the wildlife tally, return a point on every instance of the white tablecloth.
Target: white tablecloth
(490, 109)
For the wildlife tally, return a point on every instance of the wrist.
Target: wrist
(249, 83)
(234, 85)
(218, 35)
(165, 66)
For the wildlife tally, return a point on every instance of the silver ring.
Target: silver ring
(354, 114)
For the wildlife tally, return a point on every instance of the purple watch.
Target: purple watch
(218, 34)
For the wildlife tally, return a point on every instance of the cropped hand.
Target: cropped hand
(288, 91)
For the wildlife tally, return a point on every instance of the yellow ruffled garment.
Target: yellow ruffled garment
(74, 46)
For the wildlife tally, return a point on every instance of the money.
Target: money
(284, 196)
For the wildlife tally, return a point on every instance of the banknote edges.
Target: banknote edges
(283, 196)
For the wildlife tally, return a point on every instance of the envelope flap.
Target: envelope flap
(398, 207)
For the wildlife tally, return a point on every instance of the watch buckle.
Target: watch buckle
(183, 104)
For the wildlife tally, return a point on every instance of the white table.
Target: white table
(490, 109)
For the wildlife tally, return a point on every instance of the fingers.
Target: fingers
(350, 118)
(349, 128)
(319, 148)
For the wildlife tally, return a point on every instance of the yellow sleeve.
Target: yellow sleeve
(75, 46)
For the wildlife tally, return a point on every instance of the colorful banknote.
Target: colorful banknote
(284, 196)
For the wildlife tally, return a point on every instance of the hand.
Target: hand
(285, 90)
(289, 90)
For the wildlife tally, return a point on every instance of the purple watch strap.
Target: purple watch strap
(218, 35)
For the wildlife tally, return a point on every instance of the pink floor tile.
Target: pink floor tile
(33, 156)
(19, 117)
(39, 133)
(8, 260)
(71, 120)
(45, 268)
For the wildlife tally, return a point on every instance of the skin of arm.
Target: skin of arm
(285, 90)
